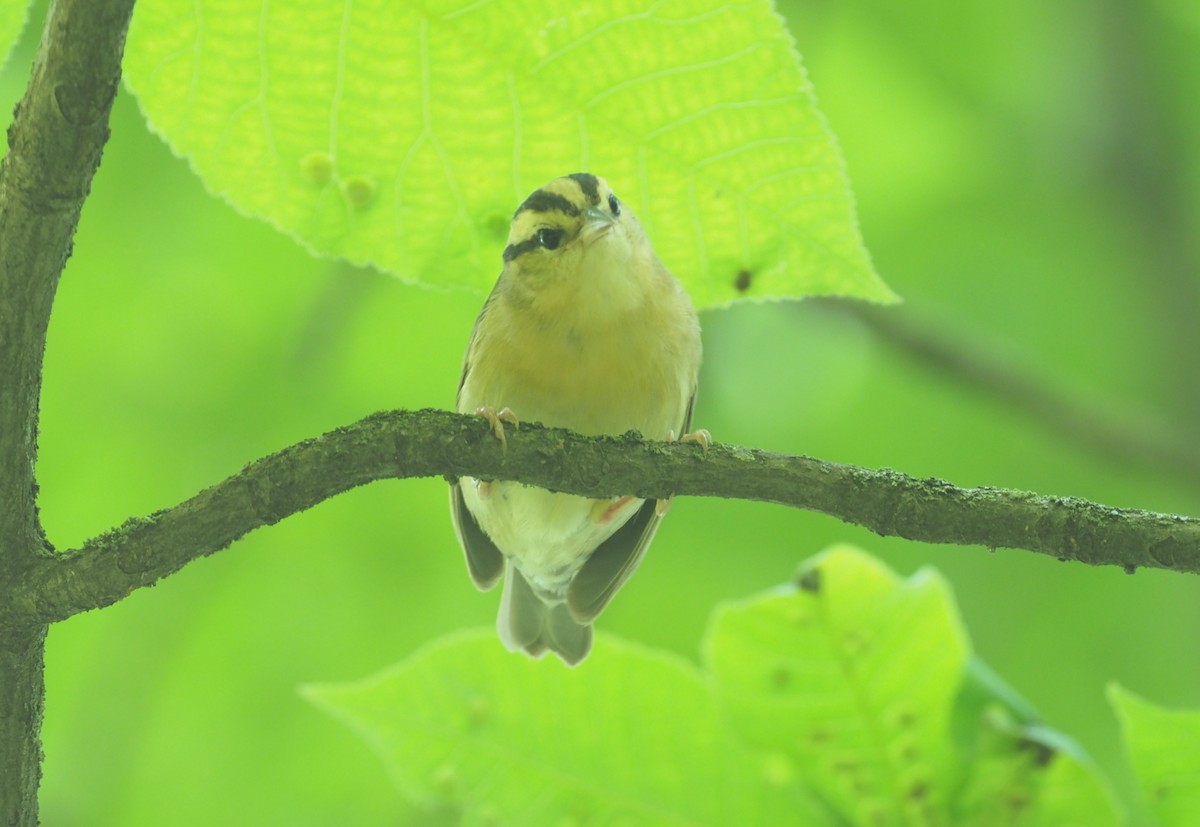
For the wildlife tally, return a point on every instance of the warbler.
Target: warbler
(585, 329)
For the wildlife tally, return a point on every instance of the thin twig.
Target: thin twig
(1124, 438)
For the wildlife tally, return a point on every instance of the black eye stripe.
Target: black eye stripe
(548, 237)
(521, 248)
(546, 201)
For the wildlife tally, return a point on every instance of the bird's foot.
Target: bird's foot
(497, 418)
(700, 437)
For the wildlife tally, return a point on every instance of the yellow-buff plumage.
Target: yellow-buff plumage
(585, 329)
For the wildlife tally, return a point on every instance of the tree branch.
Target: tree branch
(55, 140)
(57, 134)
(438, 443)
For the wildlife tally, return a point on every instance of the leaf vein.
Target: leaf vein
(671, 71)
(704, 112)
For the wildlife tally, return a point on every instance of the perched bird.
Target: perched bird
(585, 329)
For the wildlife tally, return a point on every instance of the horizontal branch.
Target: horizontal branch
(439, 443)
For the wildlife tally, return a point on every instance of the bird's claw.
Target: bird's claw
(497, 419)
(700, 437)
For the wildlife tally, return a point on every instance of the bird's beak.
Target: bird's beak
(596, 222)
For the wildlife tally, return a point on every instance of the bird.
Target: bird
(585, 329)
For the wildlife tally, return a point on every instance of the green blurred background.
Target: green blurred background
(1028, 179)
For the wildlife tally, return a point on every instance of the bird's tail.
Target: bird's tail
(531, 624)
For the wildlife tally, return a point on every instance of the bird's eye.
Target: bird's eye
(614, 204)
(549, 238)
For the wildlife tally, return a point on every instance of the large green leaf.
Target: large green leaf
(1164, 748)
(632, 737)
(405, 134)
(852, 687)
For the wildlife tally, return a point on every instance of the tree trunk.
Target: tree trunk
(22, 689)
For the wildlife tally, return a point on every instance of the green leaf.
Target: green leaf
(984, 695)
(388, 133)
(857, 678)
(1164, 748)
(851, 674)
(851, 687)
(631, 737)
(1026, 774)
(12, 20)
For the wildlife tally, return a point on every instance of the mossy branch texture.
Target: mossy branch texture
(55, 140)
(439, 443)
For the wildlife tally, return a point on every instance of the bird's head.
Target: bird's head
(573, 240)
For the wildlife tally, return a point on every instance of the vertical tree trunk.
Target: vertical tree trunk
(54, 145)
(21, 694)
